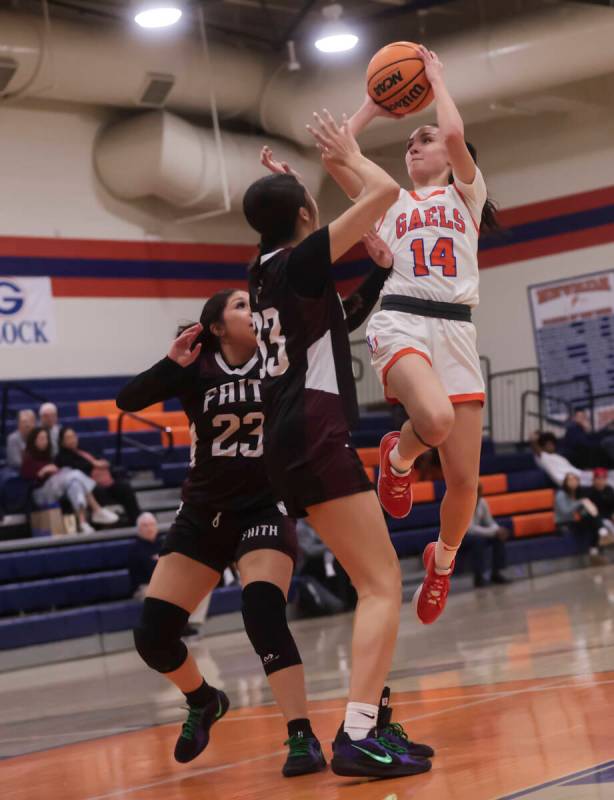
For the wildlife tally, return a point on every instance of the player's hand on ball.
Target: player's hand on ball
(335, 142)
(378, 250)
(375, 110)
(181, 349)
(277, 167)
(433, 68)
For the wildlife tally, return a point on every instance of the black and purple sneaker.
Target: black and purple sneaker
(394, 733)
(305, 756)
(373, 757)
(194, 735)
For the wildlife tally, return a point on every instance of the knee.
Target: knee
(384, 583)
(264, 616)
(462, 482)
(158, 637)
(435, 424)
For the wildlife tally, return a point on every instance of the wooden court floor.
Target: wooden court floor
(492, 741)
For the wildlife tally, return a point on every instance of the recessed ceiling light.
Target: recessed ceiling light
(335, 37)
(157, 16)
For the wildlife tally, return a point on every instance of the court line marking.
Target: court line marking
(479, 697)
(181, 776)
(205, 771)
(563, 780)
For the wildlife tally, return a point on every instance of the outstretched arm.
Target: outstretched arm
(360, 303)
(168, 378)
(338, 145)
(449, 119)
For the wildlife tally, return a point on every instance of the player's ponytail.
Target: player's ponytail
(271, 206)
(489, 222)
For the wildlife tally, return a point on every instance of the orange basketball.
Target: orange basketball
(396, 79)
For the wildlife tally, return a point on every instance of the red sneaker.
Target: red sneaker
(394, 491)
(430, 598)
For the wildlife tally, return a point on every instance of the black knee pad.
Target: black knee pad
(158, 637)
(264, 616)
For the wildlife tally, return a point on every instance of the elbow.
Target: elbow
(390, 193)
(454, 135)
(124, 404)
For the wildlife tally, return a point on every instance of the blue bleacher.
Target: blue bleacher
(73, 590)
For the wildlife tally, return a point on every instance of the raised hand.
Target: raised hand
(433, 68)
(336, 143)
(181, 349)
(277, 167)
(378, 250)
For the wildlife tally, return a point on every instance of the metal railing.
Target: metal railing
(505, 391)
(122, 437)
(7, 388)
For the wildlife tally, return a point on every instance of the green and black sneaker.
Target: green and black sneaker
(305, 756)
(194, 735)
(393, 732)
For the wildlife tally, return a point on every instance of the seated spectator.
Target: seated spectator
(53, 483)
(145, 554)
(108, 489)
(581, 444)
(48, 419)
(16, 441)
(556, 466)
(602, 495)
(580, 516)
(483, 533)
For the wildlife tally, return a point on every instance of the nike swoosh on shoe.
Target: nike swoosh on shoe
(387, 759)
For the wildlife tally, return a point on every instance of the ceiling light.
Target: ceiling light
(335, 36)
(157, 15)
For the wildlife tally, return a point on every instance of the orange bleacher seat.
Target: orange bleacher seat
(370, 473)
(518, 502)
(369, 456)
(170, 419)
(181, 436)
(494, 484)
(534, 524)
(423, 492)
(99, 408)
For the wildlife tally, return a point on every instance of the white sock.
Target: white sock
(400, 465)
(359, 719)
(444, 556)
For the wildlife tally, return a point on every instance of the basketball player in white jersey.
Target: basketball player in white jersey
(423, 343)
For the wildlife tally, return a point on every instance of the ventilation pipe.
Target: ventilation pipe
(566, 43)
(157, 154)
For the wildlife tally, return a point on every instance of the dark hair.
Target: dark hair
(31, 444)
(565, 485)
(63, 431)
(213, 311)
(488, 222)
(544, 438)
(271, 206)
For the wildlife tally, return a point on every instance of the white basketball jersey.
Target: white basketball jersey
(433, 234)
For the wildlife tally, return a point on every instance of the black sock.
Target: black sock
(201, 696)
(300, 727)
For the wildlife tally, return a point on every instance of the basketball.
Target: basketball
(396, 79)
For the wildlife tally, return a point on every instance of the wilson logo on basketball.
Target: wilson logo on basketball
(409, 98)
(386, 84)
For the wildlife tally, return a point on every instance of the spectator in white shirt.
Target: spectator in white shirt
(557, 466)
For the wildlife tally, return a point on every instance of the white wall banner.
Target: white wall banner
(27, 317)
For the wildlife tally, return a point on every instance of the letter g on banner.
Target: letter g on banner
(11, 300)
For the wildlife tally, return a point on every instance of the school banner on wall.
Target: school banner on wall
(27, 317)
(573, 322)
